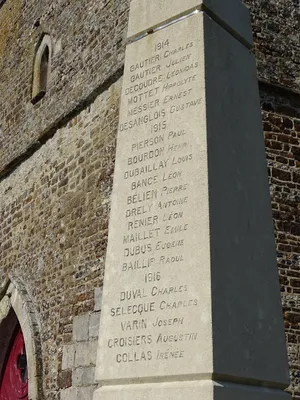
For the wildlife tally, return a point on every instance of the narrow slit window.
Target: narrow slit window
(42, 68)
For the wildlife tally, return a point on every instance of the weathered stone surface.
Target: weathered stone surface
(78, 377)
(84, 376)
(88, 377)
(220, 284)
(86, 353)
(144, 16)
(85, 393)
(81, 328)
(94, 322)
(68, 356)
(69, 394)
(191, 390)
(4, 307)
(98, 299)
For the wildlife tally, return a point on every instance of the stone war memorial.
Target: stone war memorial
(191, 306)
(149, 200)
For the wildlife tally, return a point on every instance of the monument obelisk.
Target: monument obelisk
(191, 303)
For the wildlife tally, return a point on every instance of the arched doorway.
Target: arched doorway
(14, 382)
(19, 330)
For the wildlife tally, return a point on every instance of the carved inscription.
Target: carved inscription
(153, 312)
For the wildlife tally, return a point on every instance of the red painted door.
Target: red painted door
(14, 384)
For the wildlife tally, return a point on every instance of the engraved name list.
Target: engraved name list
(154, 301)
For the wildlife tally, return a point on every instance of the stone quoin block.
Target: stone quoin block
(81, 328)
(85, 353)
(68, 356)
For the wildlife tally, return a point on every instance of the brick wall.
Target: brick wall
(53, 226)
(277, 50)
(277, 45)
(281, 117)
(88, 49)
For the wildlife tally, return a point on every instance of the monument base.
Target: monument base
(197, 390)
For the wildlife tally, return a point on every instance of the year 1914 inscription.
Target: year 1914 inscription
(152, 305)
